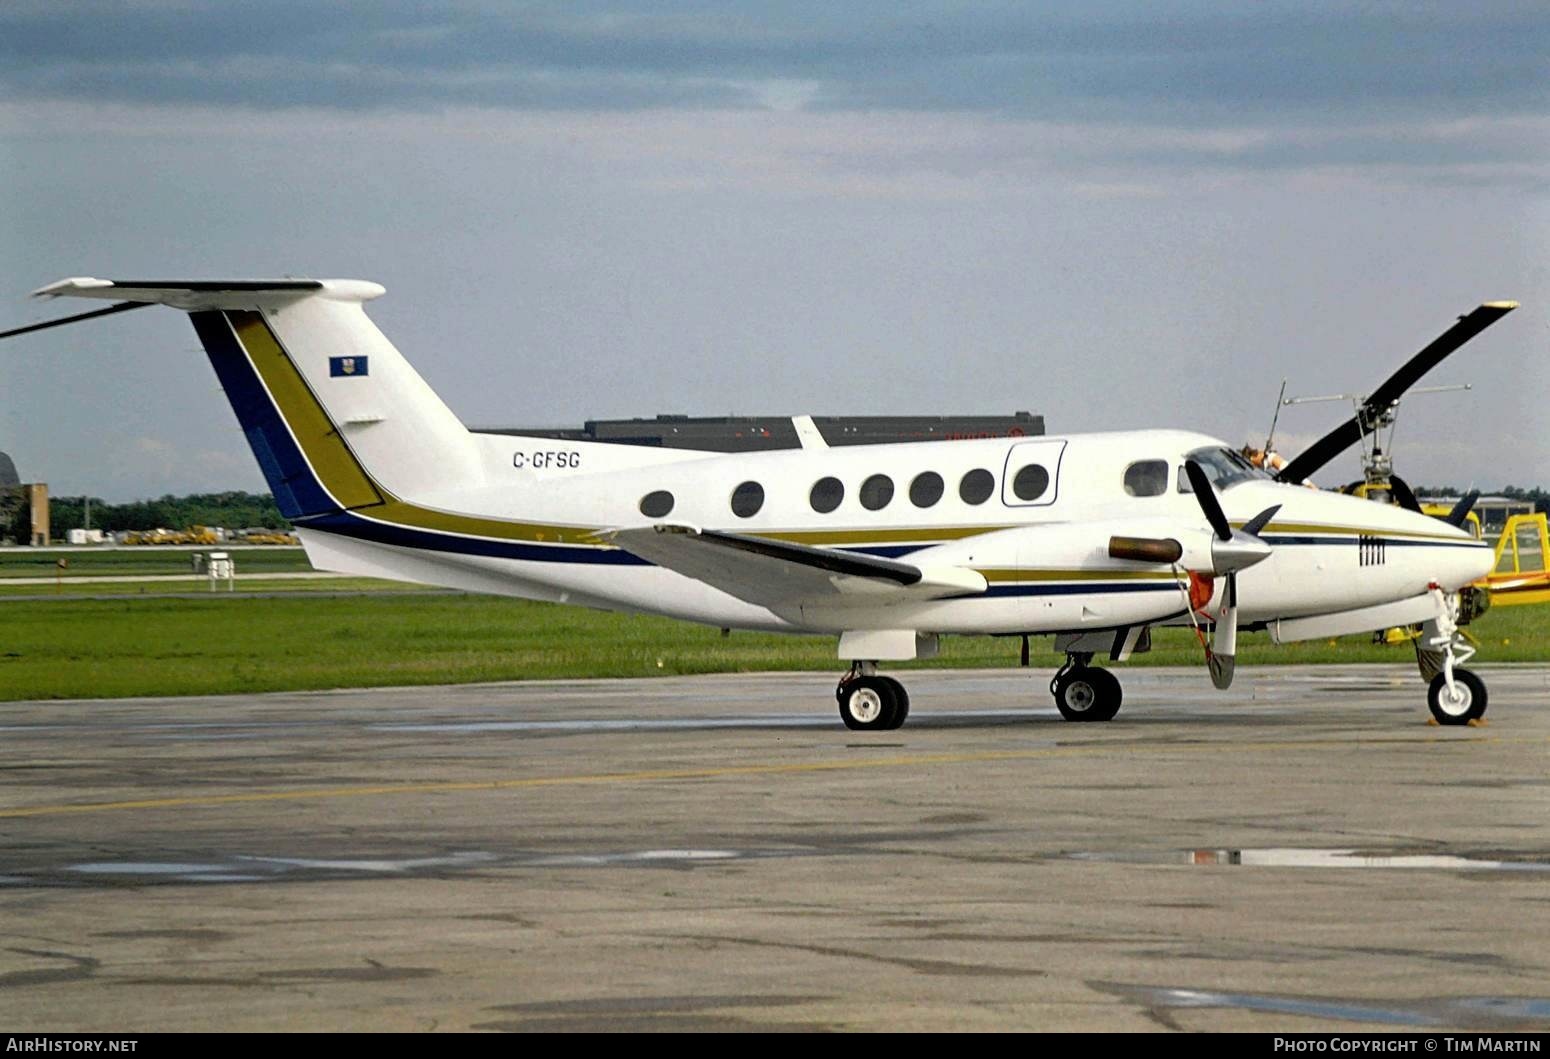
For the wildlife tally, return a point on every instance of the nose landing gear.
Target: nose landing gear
(1456, 695)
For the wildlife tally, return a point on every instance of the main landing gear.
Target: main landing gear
(1083, 692)
(869, 702)
(1456, 696)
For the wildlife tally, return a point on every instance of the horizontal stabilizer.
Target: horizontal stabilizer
(194, 295)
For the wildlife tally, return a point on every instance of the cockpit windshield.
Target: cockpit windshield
(1224, 467)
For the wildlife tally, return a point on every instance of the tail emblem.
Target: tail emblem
(339, 367)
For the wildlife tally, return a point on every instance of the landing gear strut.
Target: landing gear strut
(1456, 695)
(869, 702)
(1084, 692)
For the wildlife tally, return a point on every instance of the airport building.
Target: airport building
(756, 433)
(23, 507)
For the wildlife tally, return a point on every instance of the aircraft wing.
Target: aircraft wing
(780, 576)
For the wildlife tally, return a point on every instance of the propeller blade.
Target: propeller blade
(1403, 494)
(1254, 525)
(1222, 655)
(1146, 549)
(1393, 388)
(120, 307)
(1206, 497)
(1461, 510)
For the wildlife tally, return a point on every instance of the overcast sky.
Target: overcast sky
(1116, 215)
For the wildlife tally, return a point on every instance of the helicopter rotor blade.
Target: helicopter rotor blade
(119, 307)
(1392, 389)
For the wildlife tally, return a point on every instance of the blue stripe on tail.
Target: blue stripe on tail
(297, 491)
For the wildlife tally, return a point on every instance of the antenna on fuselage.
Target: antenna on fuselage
(1271, 437)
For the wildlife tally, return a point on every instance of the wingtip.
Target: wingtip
(71, 283)
(1504, 306)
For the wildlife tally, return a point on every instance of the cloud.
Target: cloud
(877, 154)
(1116, 98)
(1175, 63)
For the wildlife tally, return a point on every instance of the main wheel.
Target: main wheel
(868, 704)
(1087, 693)
(1465, 704)
(901, 702)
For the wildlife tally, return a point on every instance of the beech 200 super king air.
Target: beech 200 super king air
(1093, 538)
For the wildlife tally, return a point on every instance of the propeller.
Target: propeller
(1231, 550)
(119, 307)
(1393, 388)
(1461, 509)
(1403, 494)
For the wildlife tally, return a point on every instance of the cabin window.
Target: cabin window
(876, 492)
(1030, 482)
(1147, 478)
(976, 486)
(747, 499)
(826, 495)
(926, 489)
(657, 504)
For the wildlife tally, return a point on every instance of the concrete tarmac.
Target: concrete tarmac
(719, 853)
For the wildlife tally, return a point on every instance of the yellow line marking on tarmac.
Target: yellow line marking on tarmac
(659, 775)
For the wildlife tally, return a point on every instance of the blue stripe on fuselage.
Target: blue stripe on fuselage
(347, 525)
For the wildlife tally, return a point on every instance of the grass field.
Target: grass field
(133, 561)
(81, 648)
(47, 588)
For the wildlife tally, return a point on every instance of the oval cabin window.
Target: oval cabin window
(1030, 482)
(826, 495)
(976, 486)
(747, 499)
(876, 492)
(657, 504)
(1147, 478)
(926, 489)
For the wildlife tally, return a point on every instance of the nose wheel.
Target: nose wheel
(1086, 693)
(871, 703)
(1460, 703)
(1456, 695)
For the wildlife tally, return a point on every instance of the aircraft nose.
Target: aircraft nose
(1477, 562)
(1457, 561)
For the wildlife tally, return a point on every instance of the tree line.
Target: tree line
(231, 510)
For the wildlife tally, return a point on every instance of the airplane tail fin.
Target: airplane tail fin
(335, 415)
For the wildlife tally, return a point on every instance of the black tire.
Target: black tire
(867, 704)
(1471, 701)
(1110, 695)
(1087, 693)
(901, 702)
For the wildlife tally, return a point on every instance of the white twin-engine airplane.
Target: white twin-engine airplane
(1091, 537)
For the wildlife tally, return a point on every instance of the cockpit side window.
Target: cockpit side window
(1147, 478)
(1223, 467)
